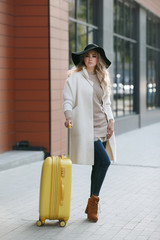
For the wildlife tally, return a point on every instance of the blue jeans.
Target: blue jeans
(100, 167)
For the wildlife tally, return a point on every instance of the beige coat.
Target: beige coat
(78, 98)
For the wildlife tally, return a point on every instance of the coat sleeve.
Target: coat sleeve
(108, 109)
(69, 94)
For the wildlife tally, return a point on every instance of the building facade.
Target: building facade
(36, 41)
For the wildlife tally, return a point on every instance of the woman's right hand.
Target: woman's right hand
(68, 122)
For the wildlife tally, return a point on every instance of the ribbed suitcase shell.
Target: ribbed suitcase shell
(55, 190)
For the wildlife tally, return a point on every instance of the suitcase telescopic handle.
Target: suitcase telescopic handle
(69, 140)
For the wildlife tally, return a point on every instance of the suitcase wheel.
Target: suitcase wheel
(40, 223)
(62, 223)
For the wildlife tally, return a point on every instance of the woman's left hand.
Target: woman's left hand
(110, 128)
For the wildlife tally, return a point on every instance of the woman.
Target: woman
(87, 108)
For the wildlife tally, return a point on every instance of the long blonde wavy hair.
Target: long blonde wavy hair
(100, 70)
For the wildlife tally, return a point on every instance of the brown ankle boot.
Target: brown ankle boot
(92, 208)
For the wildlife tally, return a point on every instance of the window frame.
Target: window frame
(152, 85)
(128, 104)
(89, 27)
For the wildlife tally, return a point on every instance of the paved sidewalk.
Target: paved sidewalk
(15, 158)
(140, 147)
(129, 200)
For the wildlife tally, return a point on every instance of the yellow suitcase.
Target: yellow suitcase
(55, 189)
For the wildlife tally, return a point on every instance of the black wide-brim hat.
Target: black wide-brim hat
(76, 56)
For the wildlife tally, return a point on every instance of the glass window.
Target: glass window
(82, 10)
(72, 35)
(120, 26)
(82, 36)
(128, 80)
(90, 11)
(153, 53)
(82, 27)
(124, 50)
(72, 8)
(127, 15)
(92, 35)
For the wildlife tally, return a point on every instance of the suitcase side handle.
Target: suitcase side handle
(62, 192)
